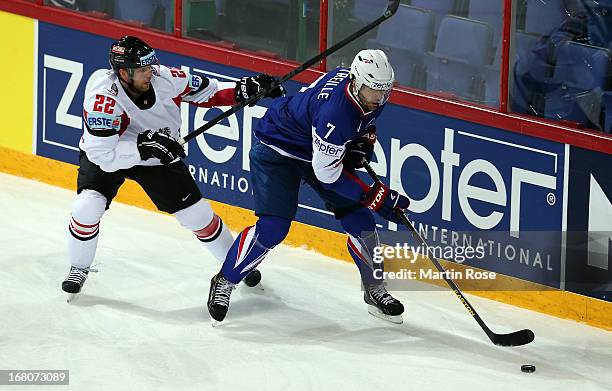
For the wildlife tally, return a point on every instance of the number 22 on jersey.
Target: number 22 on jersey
(104, 104)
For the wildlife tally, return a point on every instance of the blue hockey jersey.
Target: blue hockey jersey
(315, 125)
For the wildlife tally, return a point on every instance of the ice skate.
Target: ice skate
(74, 282)
(219, 298)
(382, 305)
(253, 280)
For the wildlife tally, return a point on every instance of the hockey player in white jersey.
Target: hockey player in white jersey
(132, 119)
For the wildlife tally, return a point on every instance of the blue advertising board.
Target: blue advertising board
(495, 186)
(589, 224)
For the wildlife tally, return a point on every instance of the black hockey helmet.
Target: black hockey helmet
(131, 52)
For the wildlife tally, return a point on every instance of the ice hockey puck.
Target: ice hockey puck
(528, 368)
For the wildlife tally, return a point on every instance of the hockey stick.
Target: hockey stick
(517, 338)
(392, 7)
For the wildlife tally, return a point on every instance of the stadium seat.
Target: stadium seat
(439, 8)
(523, 44)
(490, 75)
(490, 12)
(541, 17)
(406, 38)
(368, 10)
(463, 49)
(582, 74)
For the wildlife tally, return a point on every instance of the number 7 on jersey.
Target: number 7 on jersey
(331, 129)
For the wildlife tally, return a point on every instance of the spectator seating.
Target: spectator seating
(541, 17)
(463, 49)
(439, 8)
(405, 38)
(490, 12)
(367, 11)
(581, 75)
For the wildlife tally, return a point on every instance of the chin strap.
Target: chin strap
(355, 94)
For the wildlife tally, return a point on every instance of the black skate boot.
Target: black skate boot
(219, 298)
(74, 282)
(382, 305)
(252, 279)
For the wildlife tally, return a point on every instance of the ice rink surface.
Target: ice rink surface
(141, 323)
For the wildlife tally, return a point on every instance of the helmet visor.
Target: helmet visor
(369, 96)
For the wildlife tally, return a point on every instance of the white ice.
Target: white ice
(141, 323)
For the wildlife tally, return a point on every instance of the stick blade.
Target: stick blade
(518, 338)
(392, 8)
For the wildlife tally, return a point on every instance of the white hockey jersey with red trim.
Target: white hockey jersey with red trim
(112, 121)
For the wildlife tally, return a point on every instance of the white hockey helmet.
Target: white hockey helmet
(372, 69)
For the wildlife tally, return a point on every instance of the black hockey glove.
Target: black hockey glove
(385, 202)
(359, 149)
(158, 145)
(251, 85)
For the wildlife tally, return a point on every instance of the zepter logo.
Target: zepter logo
(484, 207)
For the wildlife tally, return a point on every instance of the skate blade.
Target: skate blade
(259, 287)
(396, 319)
(214, 322)
(71, 297)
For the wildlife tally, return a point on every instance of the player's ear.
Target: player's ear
(123, 74)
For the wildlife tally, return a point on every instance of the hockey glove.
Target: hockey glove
(359, 149)
(251, 85)
(385, 202)
(158, 145)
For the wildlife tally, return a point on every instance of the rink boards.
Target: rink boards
(514, 193)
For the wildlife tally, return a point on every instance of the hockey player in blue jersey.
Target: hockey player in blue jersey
(319, 136)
